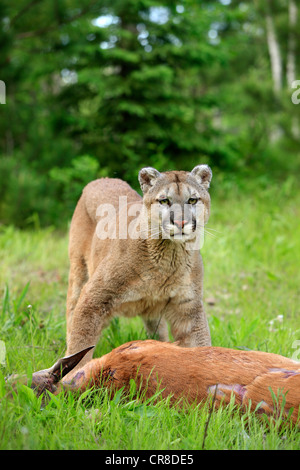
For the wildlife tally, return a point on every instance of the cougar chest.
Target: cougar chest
(149, 297)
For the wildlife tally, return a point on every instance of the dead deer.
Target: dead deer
(195, 374)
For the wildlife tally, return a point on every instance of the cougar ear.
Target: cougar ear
(148, 177)
(203, 175)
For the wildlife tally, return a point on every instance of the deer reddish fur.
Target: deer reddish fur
(195, 373)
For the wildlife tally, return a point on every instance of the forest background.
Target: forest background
(100, 88)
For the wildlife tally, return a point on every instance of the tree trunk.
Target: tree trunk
(274, 51)
(291, 60)
(291, 56)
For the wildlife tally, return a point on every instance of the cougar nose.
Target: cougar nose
(180, 223)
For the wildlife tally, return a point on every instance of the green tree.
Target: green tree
(140, 98)
(105, 88)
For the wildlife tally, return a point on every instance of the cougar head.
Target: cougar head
(177, 202)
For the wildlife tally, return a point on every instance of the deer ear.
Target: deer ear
(148, 177)
(203, 175)
(63, 366)
(47, 379)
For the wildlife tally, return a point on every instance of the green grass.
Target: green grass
(252, 299)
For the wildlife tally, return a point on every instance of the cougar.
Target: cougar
(139, 259)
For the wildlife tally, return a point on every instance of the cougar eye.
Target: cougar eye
(164, 202)
(192, 200)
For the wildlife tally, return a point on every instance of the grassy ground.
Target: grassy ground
(252, 299)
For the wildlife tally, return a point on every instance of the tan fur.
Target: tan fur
(159, 279)
(195, 373)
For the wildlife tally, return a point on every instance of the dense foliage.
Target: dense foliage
(96, 88)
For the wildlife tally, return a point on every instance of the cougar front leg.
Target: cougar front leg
(92, 311)
(189, 326)
(78, 276)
